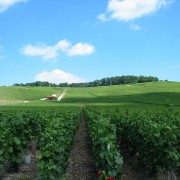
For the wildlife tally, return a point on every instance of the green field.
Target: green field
(145, 94)
(142, 117)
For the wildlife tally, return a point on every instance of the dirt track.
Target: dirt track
(80, 160)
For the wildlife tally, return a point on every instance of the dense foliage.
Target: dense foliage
(55, 144)
(153, 137)
(150, 136)
(102, 82)
(107, 158)
(53, 130)
(16, 131)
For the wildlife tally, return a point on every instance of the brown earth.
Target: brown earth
(80, 160)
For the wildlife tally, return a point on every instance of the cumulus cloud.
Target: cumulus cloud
(135, 27)
(81, 49)
(126, 10)
(58, 76)
(43, 51)
(51, 52)
(5, 4)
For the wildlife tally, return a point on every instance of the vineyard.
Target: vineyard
(152, 139)
(110, 139)
(149, 94)
(51, 131)
(89, 90)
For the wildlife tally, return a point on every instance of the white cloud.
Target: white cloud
(63, 45)
(135, 27)
(51, 52)
(81, 49)
(125, 10)
(5, 4)
(46, 52)
(58, 76)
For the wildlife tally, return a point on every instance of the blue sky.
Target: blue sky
(77, 40)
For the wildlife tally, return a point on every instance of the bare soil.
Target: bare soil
(80, 160)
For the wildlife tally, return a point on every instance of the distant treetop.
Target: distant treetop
(102, 82)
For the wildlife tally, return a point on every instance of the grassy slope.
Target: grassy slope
(158, 93)
(23, 93)
(13, 95)
(155, 93)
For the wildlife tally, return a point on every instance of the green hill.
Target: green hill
(159, 93)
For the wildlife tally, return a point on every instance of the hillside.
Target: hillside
(69, 132)
(148, 93)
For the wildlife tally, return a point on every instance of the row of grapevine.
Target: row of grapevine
(107, 158)
(51, 129)
(16, 131)
(154, 137)
(55, 144)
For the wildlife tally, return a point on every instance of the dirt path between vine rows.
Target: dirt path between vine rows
(80, 160)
